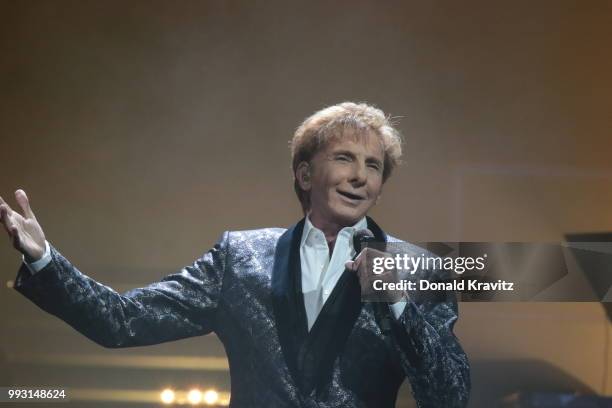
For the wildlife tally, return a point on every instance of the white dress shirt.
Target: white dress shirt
(41, 263)
(320, 273)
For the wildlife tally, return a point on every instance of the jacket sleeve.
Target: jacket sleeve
(181, 305)
(430, 354)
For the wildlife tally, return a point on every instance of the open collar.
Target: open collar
(287, 297)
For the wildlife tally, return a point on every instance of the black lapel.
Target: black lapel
(379, 234)
(331, 329)
(310, 355)
(348, 278)
(287, 297)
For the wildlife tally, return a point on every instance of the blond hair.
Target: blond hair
(331, 123)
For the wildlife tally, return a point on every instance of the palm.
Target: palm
(24, 230)
(30, 233)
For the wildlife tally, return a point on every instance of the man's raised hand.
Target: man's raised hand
(24, 231)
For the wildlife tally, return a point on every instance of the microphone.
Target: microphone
(361, 239)
(381, 311)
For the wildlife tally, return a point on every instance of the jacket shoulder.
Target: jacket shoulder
(255, 237)
(391, 238)
(408, 247)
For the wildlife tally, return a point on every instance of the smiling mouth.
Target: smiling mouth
(350, 195)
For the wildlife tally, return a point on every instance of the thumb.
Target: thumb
(24, 203)
(353, 265)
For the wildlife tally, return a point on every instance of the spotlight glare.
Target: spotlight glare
(211, 397)
(167, 396)
(194, 396)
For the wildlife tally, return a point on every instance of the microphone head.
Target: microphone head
(361, 237)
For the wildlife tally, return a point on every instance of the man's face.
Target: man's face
(345, 180)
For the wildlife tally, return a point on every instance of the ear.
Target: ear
(303, 177)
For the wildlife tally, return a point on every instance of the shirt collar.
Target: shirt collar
(309, 228)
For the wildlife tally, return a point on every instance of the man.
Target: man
(285, 303)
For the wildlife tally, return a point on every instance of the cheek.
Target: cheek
(321, 189)
(337, 173)
(375, 187)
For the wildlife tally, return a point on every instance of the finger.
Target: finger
(24, 203)
(15, 238)
(373, 252)
(5, 204)
(5, 210)
(365, 252)
(350, 265)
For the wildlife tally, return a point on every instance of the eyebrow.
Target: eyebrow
(346, 152)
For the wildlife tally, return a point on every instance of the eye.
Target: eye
(343, 157)
(374, 166)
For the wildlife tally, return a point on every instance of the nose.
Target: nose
(359, 174)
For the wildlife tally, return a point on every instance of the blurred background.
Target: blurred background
(141, 130)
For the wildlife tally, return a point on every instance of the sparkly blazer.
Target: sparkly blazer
(247, 289)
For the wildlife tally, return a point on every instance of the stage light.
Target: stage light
(194, 396)
(167, 396)
(211, 397)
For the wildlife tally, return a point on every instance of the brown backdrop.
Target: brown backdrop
(143, 130)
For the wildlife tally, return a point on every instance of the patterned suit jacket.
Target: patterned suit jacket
(247, 290)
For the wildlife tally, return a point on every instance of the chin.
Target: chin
(348, 218)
